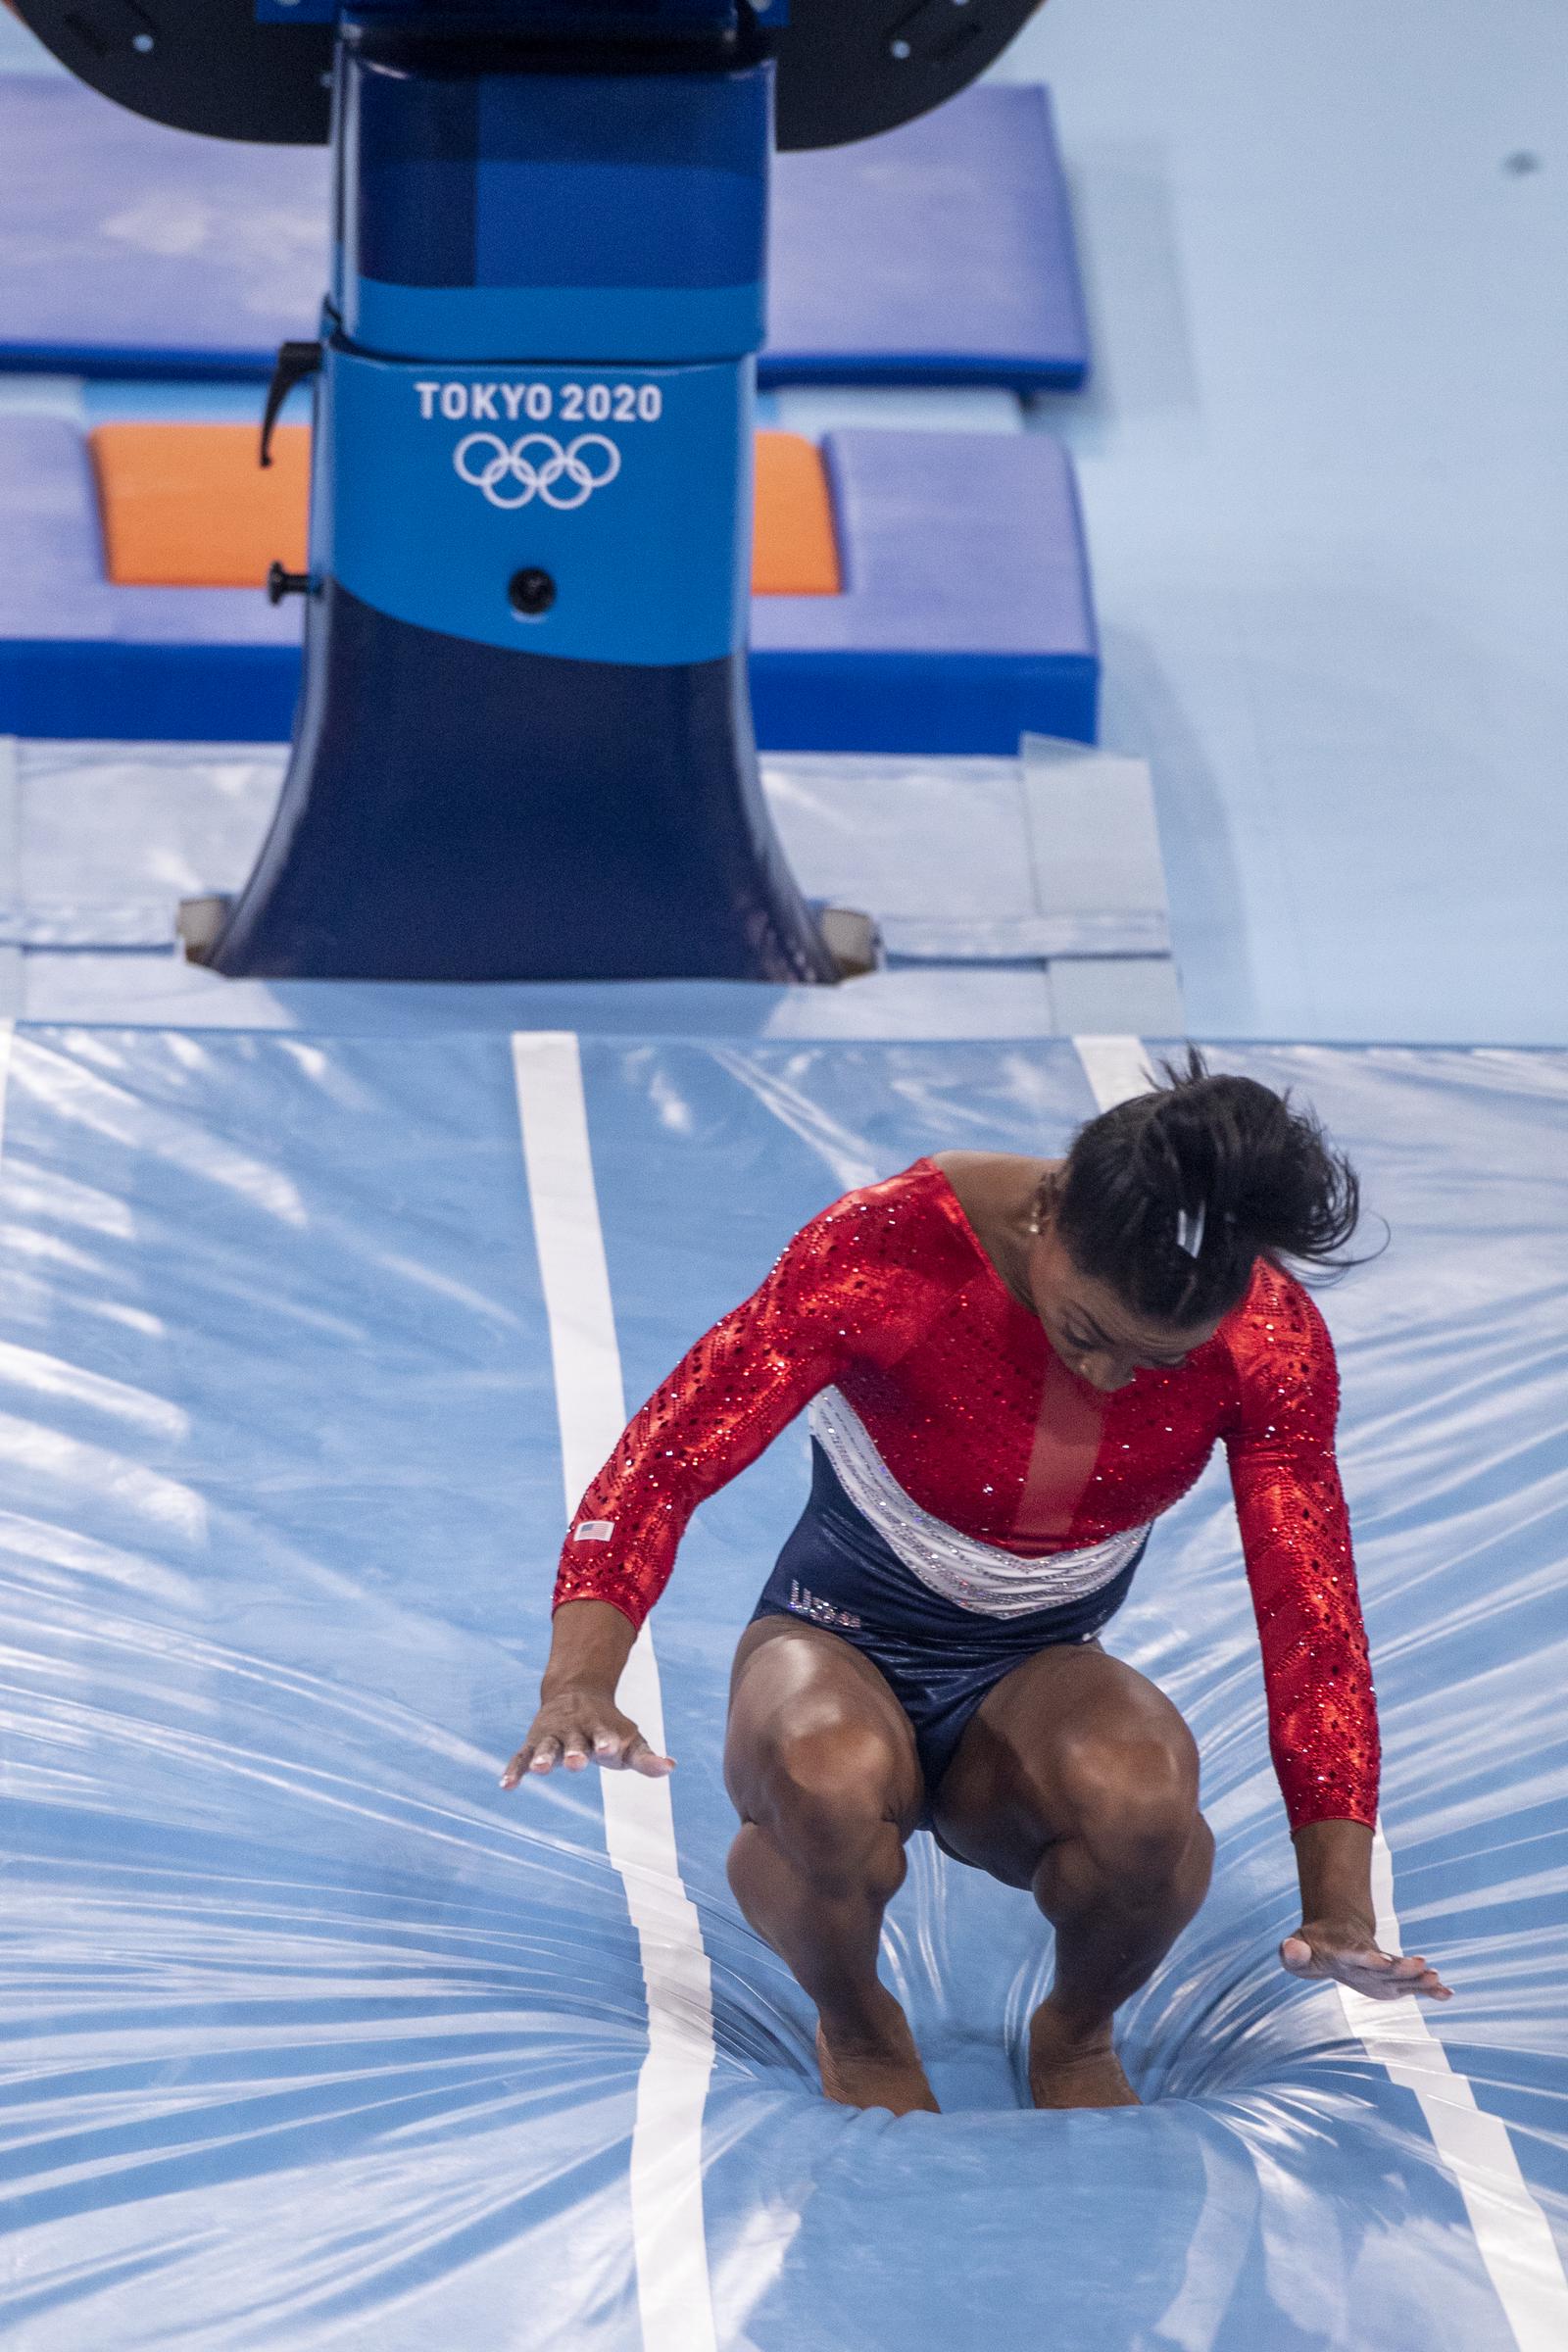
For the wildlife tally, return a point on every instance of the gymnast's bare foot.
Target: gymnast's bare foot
(878, 2067)
(1066, 2070)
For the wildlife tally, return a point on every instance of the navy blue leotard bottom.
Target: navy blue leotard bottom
(836, 1571)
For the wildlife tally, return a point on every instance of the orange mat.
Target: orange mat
(186, 506)
(795, 551)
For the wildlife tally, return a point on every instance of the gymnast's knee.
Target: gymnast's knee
(1132, 1800)
(825, 1795)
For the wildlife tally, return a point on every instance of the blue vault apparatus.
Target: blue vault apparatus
(524, 748)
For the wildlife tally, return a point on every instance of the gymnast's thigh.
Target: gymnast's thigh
(1069, 1734)
(804, 1699)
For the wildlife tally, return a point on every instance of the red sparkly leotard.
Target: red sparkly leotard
(890, 1298)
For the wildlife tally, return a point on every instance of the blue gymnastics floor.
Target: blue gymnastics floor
(314, 2039)
(1326, 487)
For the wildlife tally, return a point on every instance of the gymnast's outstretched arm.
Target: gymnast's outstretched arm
(1323, 1728)
(728, 1397)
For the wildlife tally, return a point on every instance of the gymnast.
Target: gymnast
(1012, 1367)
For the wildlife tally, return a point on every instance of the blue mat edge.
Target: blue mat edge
(98, 690)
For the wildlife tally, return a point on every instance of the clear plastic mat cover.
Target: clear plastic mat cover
(313, 2036)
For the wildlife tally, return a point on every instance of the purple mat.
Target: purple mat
(965, 621)
(941, 252)
(966, 610)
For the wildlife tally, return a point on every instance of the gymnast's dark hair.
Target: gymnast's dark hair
(1224, 1157)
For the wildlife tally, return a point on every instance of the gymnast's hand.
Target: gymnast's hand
(1348, 1951)
(574, 1728)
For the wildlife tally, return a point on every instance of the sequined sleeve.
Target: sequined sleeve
(1323, 1728)
(861, 1281)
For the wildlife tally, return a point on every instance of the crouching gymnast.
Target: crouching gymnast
(1013, 1366)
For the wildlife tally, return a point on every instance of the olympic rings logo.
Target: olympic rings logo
(536, 476)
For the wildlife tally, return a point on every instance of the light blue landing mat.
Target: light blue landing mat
(313, 2038)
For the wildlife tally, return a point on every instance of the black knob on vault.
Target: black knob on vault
(281, 582)
(531, 592)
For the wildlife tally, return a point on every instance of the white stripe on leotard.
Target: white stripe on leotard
(959, 1568)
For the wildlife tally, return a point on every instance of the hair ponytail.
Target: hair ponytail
(1171, 1197)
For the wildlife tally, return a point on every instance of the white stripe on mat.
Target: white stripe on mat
(666, 2149)
(1511, 2230)
(1513, 2234)
(1116, 1068)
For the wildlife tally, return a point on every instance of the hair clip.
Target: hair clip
(1189, 1229)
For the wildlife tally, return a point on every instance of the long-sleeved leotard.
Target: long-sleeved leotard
(889, 1297)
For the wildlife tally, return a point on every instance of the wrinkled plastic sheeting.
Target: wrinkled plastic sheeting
(315, 2037)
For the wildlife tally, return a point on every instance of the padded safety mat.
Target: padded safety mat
(312, 2038)
(942, 251)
